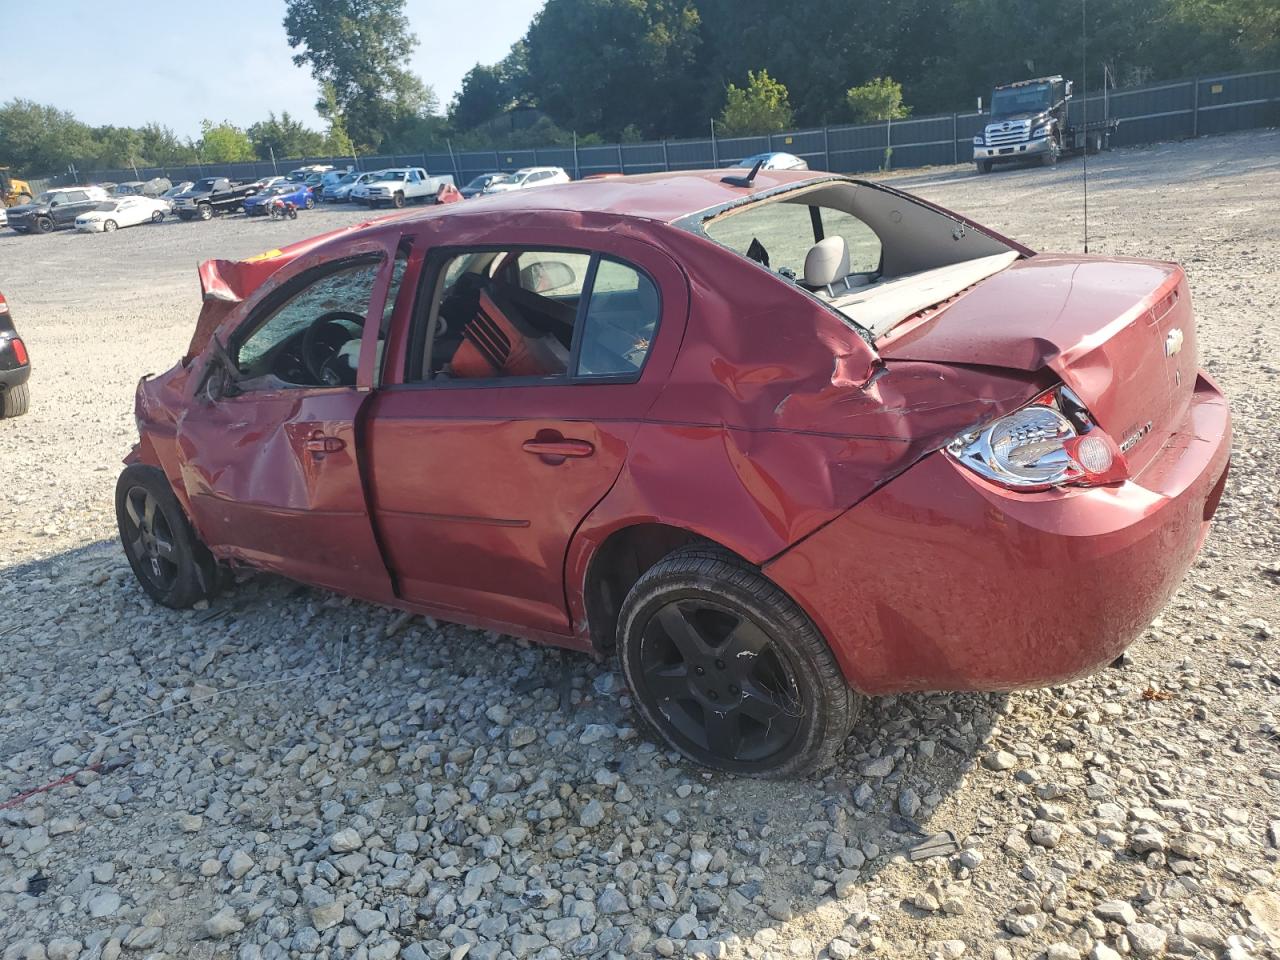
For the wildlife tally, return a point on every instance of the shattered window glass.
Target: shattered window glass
(347, 290)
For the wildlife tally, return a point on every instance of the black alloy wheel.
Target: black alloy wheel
(167, 557)
(719, 680)
(150, 539)
(728, 670)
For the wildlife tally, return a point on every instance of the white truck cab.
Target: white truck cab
(398, 186)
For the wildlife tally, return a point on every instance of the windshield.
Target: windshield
(1016, 100)
(106, 206)
(46, 198)
(502, 178)
(276, 189)
(482, 181)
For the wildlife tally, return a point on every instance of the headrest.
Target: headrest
(826, 262)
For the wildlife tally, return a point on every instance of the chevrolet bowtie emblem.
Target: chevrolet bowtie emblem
(1173, 342)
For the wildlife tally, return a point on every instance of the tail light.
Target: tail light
(1051, 442)
(4, 304)
(20, 351)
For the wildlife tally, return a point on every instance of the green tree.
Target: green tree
(490, 90)
(358, 51)
(878, 99)
(337, 143)
(759, 107)
(223, 143)
(599, 65)
(286, 137)
(161, 146)
(37, 139)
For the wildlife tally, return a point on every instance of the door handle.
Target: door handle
(557, 451)
(319, 443)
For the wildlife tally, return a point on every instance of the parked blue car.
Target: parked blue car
(296, 193)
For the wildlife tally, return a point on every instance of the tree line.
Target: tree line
(634, 70)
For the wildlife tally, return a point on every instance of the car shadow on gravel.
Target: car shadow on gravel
(402, 708)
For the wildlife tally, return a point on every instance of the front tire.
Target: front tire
(206, 212)
(157, 216)
(398, 200)
(727, 669)
(171, 564)
(15, 401)
(108, 226)
(1050, 157)
(984, 166)
(43, 225)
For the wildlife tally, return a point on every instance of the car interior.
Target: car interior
(513, 314)
(312, 337)
(872, 255)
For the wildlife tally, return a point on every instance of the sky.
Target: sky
(144, 61)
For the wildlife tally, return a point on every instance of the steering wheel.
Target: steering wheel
(323, 339)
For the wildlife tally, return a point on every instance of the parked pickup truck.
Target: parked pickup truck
(398, 186)
(211, 195)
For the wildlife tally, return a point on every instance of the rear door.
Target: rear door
(70, 205)
(480, 473)
(272, 466)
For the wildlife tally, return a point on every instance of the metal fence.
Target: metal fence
(1161, 111)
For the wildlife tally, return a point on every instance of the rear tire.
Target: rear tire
(171, 564)
(15, 401)
(311, 202)
(726, 668)
(984, 166)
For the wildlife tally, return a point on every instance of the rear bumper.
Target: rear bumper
(11, 374)
(942, 581)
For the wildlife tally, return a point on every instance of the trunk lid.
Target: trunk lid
(1119, 332)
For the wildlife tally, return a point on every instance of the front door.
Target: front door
(271, 460)
(523, 400)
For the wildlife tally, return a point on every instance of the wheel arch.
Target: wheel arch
(610, 562)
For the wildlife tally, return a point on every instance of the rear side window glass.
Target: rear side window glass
(620, 321)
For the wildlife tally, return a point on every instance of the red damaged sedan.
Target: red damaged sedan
(778, 443)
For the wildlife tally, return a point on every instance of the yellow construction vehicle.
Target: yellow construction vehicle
(12, 190)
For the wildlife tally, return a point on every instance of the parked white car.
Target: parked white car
(399, 186)
(529, 177)
(122, 212)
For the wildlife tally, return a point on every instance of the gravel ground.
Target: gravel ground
(292, 774)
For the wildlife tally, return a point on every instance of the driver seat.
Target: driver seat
(498, 342)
